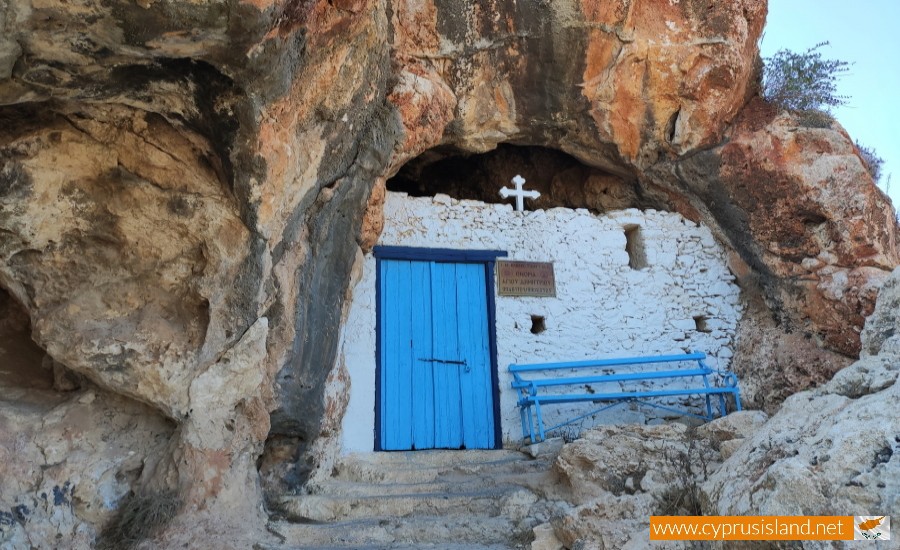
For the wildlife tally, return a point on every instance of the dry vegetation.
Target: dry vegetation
(140, 518)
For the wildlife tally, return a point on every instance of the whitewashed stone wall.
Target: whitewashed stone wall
(603, 307)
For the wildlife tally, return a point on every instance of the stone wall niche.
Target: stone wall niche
(634, 246)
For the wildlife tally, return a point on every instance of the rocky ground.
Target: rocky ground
(829, 451)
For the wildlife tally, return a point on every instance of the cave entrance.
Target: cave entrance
(630, 278)
(561, 179)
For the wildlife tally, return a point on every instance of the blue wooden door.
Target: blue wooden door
(436, 389)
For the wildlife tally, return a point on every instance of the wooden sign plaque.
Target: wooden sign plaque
(525, 279)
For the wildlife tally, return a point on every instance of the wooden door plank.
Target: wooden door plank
(384, 316)
(485, 394)
(422, 369)
(476, 387)
(466, 328)
(397, 360)
(445, 338)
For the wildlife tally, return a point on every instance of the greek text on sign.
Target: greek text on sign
(526, 279)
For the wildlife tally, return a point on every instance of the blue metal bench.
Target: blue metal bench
(533, 381)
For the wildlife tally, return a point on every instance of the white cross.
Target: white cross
(518, 193)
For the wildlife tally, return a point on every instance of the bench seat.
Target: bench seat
(531, 380)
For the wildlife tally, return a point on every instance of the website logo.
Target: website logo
(871, 527)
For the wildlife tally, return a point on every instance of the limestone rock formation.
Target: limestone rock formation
(618, 476)
(829, 450)
(127, 252)
(185, 187)
(729, 432)
(817, 274)
(621, 475)
(68, 462)
(651, 75)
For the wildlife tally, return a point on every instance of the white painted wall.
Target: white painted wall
(603, 308)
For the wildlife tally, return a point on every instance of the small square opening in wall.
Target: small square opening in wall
(538, 324)
(634, 246)
(700, 321)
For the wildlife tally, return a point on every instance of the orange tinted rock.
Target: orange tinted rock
(644, 76)
(425, 104)
(373, 222)
(669, 73)
(821, 225)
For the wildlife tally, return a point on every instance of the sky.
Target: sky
(865, 33)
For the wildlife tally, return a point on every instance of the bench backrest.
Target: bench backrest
(607, 378)
(518, 369)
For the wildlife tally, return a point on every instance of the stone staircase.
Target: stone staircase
(424, 499)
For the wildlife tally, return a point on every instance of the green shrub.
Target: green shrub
(814, 119)
(803, 81)
(871, 161)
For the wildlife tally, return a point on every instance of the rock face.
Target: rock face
(621, 475)
(653, 74)
(192, 179)
(68, 462)
(109, 288)
(183, 188)
(821, 265)
(811, 277)
(832, 449)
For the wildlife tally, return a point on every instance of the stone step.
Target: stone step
(421, 531)
(425, 499)
(401, 546)
(511, 501)
(439, 456)
(409, 468)
(417, 530)
(442, 482)
(341, 488)
(419, 546)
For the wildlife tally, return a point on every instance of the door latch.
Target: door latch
(444, 361)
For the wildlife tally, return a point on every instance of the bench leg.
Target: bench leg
(722, 410)
(540, 419)
(737, 399)
(709, 413)
(522, 418)
(527, 425)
